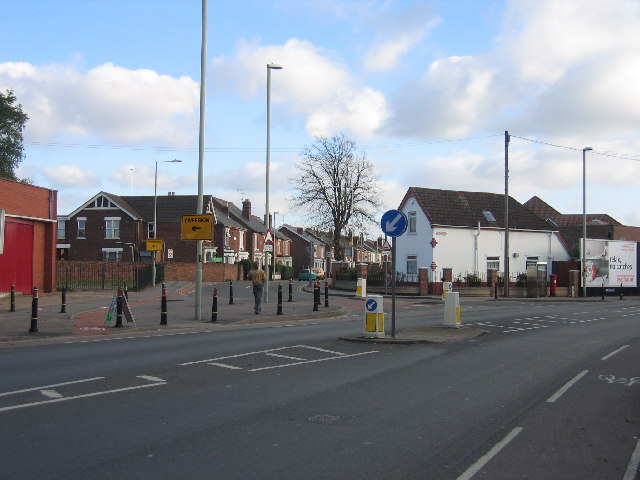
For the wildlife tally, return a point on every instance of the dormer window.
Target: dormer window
(102, 202)
(489, 216)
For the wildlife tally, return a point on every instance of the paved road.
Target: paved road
(275, 401)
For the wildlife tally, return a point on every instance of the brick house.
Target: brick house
(255, 232)
(110, 227)
(27, 237)
(307, 250)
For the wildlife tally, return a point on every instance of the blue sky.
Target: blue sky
(425, 88)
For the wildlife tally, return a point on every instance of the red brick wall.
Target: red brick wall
(211, 272)
(40, 203)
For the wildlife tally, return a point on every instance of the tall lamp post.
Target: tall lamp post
(155, 215)
(584, 219)
(267, 223)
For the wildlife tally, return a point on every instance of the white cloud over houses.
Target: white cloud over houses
(70, 176)
(316, 85)
(108, 102)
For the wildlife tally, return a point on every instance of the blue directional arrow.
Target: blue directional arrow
(371, 305)
(394, 223)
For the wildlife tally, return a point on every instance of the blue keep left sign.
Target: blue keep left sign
(371, 305)
(394, 223)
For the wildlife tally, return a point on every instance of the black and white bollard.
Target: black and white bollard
(316, 296)
(290, 291)
(214, 306)
(34, 311)
(119, 309)
(230, 293)
(12, 308)
(63, 309)
(279, 311)
(326, 293)
(163, 306)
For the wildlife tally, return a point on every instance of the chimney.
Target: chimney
(246, 208)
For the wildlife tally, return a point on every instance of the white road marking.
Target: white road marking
(634, 462)
(86, 395)
(312, 361)
(224, 365)
(566, 387)
(482, 461)
(50, 386)
(150, 378)
(285, 356)
(50, 394)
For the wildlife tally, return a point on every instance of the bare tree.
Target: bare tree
(336, 186)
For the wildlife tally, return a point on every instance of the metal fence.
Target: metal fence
(90, 276)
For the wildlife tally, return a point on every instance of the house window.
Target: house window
(241, 235)
(493, 263)
(227, 236)
(112, 227)
(151, 230)
(532, 261)
(112, 254)
(412, 222)
(412, 265)
(62, 229)
(82, 227)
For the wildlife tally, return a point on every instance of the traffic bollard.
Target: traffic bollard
(63, 309)
(12, 308)
(620, 291)
(230, 293)
(326, 293)
(290, 291)
(496, 292)
(279, 311)
(119, 309)
(316, 296)
(602, 291)
(163, 306)
(126, 293)
(214, 306)
(34, 311)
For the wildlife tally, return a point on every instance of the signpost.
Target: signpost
(394, 223)
(154, 245)
(268, 248)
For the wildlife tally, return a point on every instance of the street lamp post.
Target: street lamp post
(584, 219)
(267, 223)
(155, 215)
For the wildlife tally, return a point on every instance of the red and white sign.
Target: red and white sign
(386, 247)
(268, 238)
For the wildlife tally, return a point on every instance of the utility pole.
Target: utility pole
(506, 212)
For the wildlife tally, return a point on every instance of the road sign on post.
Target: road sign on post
(154, 244)
(394, 223)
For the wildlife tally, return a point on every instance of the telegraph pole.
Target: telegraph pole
(506, 212)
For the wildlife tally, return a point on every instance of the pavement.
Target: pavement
(85, 313)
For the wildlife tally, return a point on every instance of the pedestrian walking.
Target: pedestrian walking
(257, 280)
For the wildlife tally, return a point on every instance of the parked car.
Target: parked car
(306, 274)
(319, 273)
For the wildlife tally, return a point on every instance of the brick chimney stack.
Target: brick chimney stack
(246, 208)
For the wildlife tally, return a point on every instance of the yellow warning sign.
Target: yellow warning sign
(197, 227)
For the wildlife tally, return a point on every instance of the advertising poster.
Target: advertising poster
(610, 263)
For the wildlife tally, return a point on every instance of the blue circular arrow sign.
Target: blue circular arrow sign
(394, 223)
(371, 305)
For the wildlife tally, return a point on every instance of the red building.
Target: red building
(27, 237)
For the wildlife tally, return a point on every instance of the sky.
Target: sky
(426, 89)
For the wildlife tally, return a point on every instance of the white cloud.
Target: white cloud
(108, 102)
(313, 83)
(70, 176)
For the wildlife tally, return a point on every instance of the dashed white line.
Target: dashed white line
(566, 387)
(634, 462)
(45, 387)
(482, 461)
(51, 394)
(609, 355)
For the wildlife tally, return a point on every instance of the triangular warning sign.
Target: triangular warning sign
(385, 245)
(268, 238)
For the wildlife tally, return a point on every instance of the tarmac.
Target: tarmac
(85, 314)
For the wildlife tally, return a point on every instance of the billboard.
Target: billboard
(611, 263)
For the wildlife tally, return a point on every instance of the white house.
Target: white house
(465, 231)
